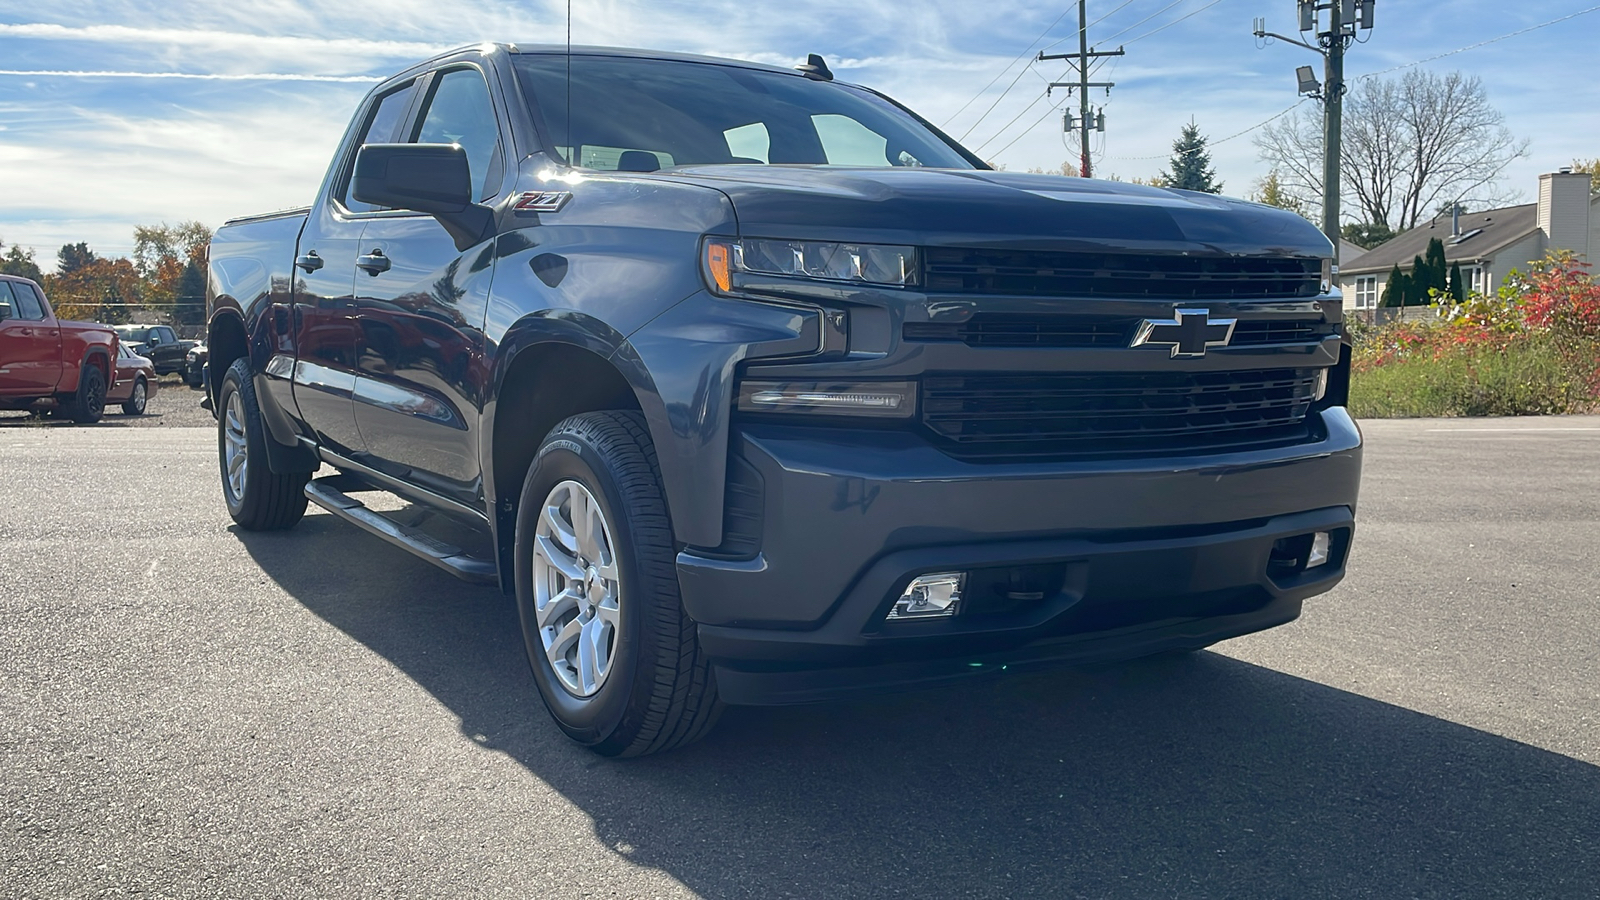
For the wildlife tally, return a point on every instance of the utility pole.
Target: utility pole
(1344, 18)
(1332, 120)
(1086, 122)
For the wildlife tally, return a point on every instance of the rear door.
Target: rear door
(421, 306)
(328, 340)
(30, 343)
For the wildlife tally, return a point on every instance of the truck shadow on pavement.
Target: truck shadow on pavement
(1194, 776)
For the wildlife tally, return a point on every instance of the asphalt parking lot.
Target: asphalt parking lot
(191, 711)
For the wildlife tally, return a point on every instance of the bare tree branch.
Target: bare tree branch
(1409, 144)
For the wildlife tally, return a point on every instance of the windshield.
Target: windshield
(645, 114)
(133, 335)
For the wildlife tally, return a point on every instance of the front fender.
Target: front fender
(682, 367)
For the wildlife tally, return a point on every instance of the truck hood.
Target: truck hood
(976, 208)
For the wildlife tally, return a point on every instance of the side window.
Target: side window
(459, 112)
(749, 142)
(28, 305)
(167, 336)
(7, 304)
(847, 142)
(382, 127)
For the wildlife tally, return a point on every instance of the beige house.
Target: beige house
(1486, 244)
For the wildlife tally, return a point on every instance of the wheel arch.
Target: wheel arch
(99, 357)
(522, 410)
(226, 341)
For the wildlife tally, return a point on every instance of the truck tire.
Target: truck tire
(615, 656)
(88, 403)
(138, 399)
(258, 498)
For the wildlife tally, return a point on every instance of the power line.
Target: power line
(1027, 68)
(1172, 23)
(1025, 131)
(1013, 121)
(1007, 68)
(1088, 26)
(1230, 137)
(1581, 12)
(974, 125)
(1144, 20)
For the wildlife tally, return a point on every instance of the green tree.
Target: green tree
(1271, 191)
(1458, 287)
(1592, 166)
(1066, 168)
(1366, 235)
(191, 306)
(154, 244)
(1418, 282)
(1394, 290)
(1438, 269)
(1190, 166)
(170, 260)
(72, 257)
(20, 262)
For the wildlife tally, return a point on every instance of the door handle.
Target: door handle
(373, 262)
(310, 262)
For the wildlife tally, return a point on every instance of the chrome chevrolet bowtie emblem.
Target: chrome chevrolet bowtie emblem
(1190, 332)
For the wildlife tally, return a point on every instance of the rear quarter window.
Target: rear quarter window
(28, 304)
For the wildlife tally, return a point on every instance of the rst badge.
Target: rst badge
(1190, 332)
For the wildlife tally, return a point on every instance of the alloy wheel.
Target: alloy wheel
(577, 588)
(236, 449)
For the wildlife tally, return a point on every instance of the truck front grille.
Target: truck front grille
(1047, 273)
(1079, 332)
(1087, 415)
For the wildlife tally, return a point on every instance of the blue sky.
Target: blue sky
(87, 158)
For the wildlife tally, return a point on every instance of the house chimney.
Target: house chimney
(1563, 212)
(1455, 220)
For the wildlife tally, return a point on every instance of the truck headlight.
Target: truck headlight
(876, 264)
(881, 399)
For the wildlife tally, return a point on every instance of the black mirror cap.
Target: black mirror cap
(425, 178)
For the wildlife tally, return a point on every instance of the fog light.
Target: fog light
(1319, 550)
(930, 596)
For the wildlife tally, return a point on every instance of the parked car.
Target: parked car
(764, 390)
(194, 365)
(49, 364)
(134, 383)
(159, 343)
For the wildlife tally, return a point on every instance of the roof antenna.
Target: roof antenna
(815, 68)
(572, 146)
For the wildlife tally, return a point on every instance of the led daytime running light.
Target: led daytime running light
(883, 399)
(876, 264)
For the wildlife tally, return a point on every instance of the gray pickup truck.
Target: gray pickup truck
(756, 388)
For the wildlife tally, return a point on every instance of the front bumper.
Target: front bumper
(1130, 556)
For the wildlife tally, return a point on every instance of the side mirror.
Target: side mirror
(428, 178)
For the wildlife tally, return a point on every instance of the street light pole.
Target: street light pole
(1345, 17)
(1332, 97)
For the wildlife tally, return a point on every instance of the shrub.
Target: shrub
(1532, 349)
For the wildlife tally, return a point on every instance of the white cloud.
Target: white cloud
(219, 41)
(86, 159)
(196, 76)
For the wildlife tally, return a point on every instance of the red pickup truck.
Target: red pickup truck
(47, 363)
